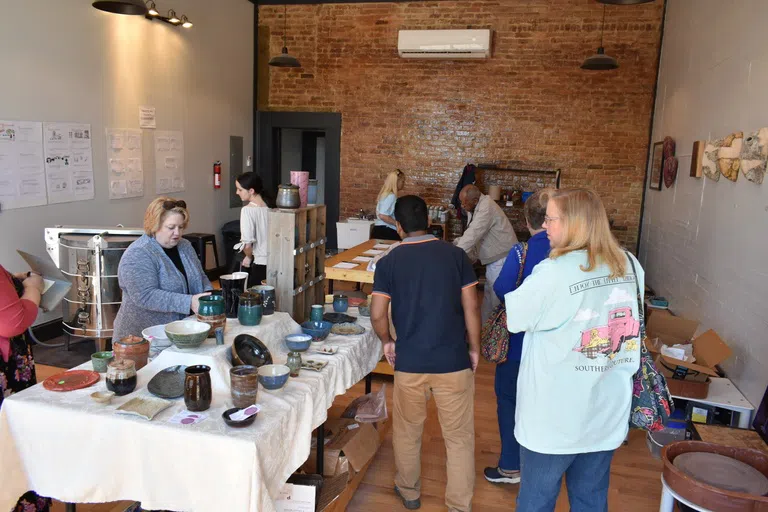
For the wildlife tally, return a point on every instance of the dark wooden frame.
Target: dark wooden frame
(656, 170)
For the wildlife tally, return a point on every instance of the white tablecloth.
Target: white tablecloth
(66, 446)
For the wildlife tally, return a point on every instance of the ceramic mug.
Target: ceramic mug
(233, 285)
(101, 360)
(250, 309)
(340, 303)
(268, 297)
(197, 387)
(244, 385)
(316, 313)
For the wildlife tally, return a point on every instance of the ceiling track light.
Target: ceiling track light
(130, 7)
(152, 9)
(172, 19)
(185, 22)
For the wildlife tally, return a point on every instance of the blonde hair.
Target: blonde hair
(159, 209)
(586, 227)
(390, 184)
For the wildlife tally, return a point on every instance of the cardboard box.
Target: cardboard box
(348, 448)
(690, 380)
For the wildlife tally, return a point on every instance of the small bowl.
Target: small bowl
(249, 350)
(187, 333)
(101, 360)
(318, 330)
(298, 342)
(273, 376)
(102, 397)
(237, 424)
(156, 336)
(364, 309)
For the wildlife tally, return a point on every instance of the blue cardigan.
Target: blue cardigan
(538, 250)
(154, 291)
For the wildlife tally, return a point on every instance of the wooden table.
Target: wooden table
(359, 274)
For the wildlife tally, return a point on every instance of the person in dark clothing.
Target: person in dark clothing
(508, 469)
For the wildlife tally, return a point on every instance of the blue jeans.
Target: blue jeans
(506, 400)
(586, 478)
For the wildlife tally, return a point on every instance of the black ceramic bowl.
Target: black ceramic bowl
(237, 424)
(249, 350)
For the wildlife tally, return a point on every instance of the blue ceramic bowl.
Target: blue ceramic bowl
(298, 342)
(318, 330)
(273, 376)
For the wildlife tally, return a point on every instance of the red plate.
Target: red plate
(69, 381)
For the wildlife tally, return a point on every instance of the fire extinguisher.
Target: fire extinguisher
(217, 174)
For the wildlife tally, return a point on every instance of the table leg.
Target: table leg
(744, 418)
(667, 500)
(69, 507)
(330, 286)
(368, 380)
(320, 449)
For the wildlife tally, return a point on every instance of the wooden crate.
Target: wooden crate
(296, 261)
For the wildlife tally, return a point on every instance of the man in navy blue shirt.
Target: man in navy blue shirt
(435, 310)
(508, 470)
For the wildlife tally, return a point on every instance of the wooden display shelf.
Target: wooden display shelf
(296, 261)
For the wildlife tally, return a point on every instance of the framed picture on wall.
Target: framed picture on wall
(657, 160)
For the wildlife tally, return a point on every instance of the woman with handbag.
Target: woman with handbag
(579, 311)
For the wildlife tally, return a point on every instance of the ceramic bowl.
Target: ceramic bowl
(298, 342)
(237, 424)
(318, 330)
(102, 397)
(187, 333)
(249, 350)
(156, 336)
(273, 376)
(364, 309)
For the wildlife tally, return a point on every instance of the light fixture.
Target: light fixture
(185, 22)
(600, 61)
(284, 60)
(121, 6)
(152, 9)
(624, 2)
(172, 17)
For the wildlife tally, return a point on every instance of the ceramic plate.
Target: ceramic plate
(146, 407)
(327, 350)
(71, 380)
(338, 318)
(347, 329)
(315, 366)
(168, 383)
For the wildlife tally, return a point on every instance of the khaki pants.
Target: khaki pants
(454, 395)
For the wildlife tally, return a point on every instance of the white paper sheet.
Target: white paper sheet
(381, 246)
(169, 161)
(373, 252)
(345, 265)
(68, 162)
(296, 498)
(22, 166)
(147, 118)
(124, 162)
(362, 259)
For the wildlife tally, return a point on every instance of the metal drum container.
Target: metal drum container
(90, 262)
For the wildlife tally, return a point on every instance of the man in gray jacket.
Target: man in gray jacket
(489, 237)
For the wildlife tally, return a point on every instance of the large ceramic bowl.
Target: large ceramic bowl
(273, 376)
(298, 342)
(187, 333)
(156, 336)
(364, 309)
(318, 330)
(249, 350)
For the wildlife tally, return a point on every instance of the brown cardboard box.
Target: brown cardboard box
(349, 447)
(690, 380)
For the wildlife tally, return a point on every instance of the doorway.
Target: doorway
(307, 141)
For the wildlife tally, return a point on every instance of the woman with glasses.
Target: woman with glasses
(160, 274)
(579, 312)
(384, 228)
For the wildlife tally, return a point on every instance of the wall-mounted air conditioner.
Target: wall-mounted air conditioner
(444, 44)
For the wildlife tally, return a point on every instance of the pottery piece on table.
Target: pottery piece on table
(121, 376)
(340, 303)
(233, 285)
(327, 350)
(244, 385)
(249, 350)
(229, 416)
(754, 155)
(274, 376)
(318, 330)
(338, 318)
(347, 329)
(168, 383)
(101, 360)
(709, 160)
(71, 380)
(156, 337)
(146, 407)
(102, 397)
(315, 366)
(198, 393)
(135, 348)
(268, 297)
(729, 156)
(298, 342)
(187, 333)
(723, 472)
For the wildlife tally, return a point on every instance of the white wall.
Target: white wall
(66, 61)
(704, 244)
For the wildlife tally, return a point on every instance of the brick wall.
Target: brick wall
(529, 106)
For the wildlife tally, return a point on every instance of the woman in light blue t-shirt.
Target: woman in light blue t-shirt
(384, 227)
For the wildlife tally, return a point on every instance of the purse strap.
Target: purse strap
(640, 309)
(524, 245)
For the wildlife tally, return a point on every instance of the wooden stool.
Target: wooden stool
(200, 241)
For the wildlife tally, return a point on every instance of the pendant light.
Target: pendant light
(284, 60)
(121, 6)
(600, 61)
(624, 2)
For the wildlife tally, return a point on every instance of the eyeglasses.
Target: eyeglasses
(549, 219)
(170, 205)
